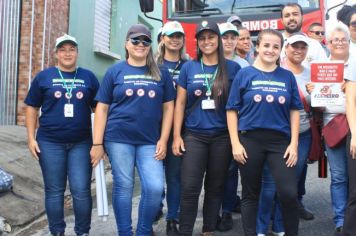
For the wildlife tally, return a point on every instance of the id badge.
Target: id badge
(68, 110)
(208, 104)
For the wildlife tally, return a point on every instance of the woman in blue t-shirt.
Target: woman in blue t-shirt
(171, 54)
(133, 120)
(263, 120)
(202, 90)
(65, 95)
(296, 50)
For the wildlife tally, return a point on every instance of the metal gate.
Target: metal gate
(9, 46)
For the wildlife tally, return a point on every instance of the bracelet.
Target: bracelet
(97, 144)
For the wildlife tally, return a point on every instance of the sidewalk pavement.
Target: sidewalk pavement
(28, 219)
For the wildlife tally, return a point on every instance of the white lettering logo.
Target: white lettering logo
(260, 25)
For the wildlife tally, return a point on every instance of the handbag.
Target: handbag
(336, 130)
(316, 151)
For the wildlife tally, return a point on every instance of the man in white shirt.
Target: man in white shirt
(292, 19)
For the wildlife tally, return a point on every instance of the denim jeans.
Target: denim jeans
(59, 162)
(337, 159)
(206, 160)
(268, 191)
(172, 172)
(124, 158)
(230, 199)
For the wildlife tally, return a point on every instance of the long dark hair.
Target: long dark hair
(221, 84)
(270, 32)
(345, 14)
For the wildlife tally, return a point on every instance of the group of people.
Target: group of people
(189, 123)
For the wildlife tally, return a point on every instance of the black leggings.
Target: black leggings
(267, 145)
(207, 155)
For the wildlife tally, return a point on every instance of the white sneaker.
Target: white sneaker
(278, 234)
(261, 235)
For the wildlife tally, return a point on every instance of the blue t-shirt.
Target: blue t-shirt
(48, 92)
(192, 79)
(136, 102)
(174, 68)
(264, 99)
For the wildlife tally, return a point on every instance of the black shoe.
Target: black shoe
(305, 214)
(158, 216)
(57, 234)
(339, 229)
(237, 209)
(225, 223)
(171, 228)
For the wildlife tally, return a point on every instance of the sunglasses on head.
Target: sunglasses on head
(353, 23)
(318, 32)
(137, 41)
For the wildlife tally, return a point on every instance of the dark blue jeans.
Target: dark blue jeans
(230, 199)
(339, 190)
(59, 162)
(172, 171)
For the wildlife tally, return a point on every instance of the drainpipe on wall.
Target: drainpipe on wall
(44, 34)
(31, 42)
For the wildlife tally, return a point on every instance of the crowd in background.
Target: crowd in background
(235, 110)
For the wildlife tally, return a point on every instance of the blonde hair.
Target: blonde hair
(161, 51)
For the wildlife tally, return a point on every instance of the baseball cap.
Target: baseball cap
(298, 37)
(172, 27)
(66, 39)
(138, 30)
(227, 27)
(207, 25)
(234, 18)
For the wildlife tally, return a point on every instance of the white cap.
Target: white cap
(227, 27)
(172, 27)
(298, 37)
(233, 18)
(66, 39)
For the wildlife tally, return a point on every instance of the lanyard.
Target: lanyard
(208, 82)
(68, 89)
(175, 68)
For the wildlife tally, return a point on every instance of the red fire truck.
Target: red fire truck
(255, 14)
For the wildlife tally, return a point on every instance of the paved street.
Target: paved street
(33, 222)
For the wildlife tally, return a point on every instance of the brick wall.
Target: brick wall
(55, 19)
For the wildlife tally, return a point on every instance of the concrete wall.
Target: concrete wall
(124, 14)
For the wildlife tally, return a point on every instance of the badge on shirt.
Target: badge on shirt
(208, 104)
(68, 110)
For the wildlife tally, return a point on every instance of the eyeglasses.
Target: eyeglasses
(318, 32)
(353, 24)
(338, 41)
(137, 41)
